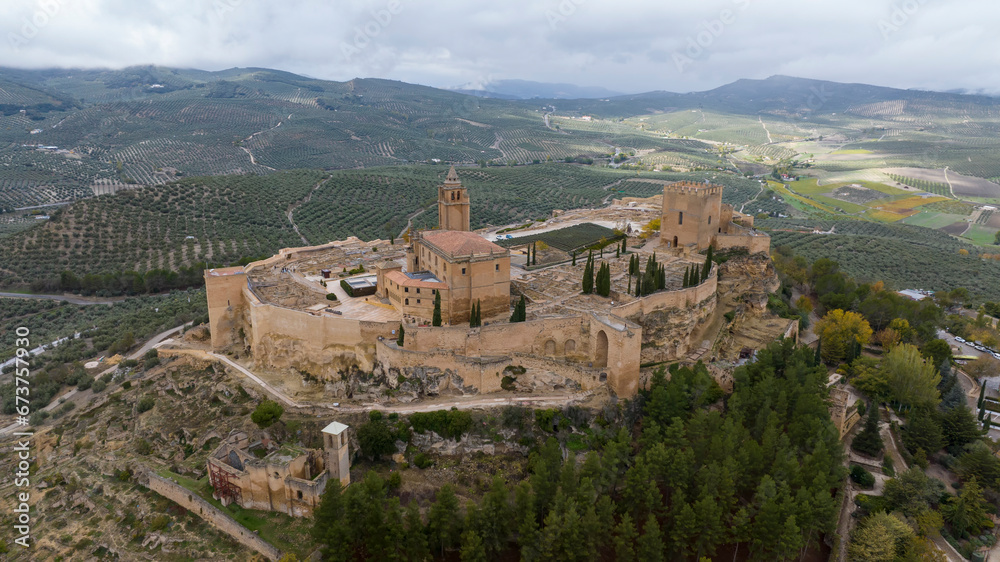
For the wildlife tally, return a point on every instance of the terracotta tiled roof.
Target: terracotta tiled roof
(460, 243)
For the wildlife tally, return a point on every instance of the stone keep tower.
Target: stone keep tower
(453, 204)
(691, 214)
(335, 446)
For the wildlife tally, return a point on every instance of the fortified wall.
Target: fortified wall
(218, 519)
(590, 350)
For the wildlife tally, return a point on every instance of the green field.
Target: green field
(933, 220)
(982, 235)
(569, 239)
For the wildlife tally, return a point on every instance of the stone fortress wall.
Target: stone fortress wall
(218, 519)
(588, 348)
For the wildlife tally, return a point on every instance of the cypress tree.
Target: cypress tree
(817, 358)
(436, 320)
(684, 285)
(638, 286)
(618, 252)
(982, 393)
(588, 276)
(399, 339)
(574, 257)
(662, 282)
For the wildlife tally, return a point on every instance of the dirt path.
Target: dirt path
(293, 208)
(250, 138)
(83, 301)
(769, 141)
(444, 403)
(743, 206)
(951, 188)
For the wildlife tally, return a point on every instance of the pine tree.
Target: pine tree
(329, 526)
(399, 339)
(472, 547)
(651, 541)
(625, 539)
(415, 540)
(445, 522)
(868, 441)
(436, 320)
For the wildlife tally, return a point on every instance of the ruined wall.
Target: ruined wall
(218, 519)
(662, 300)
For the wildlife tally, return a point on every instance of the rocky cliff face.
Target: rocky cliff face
(748, 280)
(666, 334)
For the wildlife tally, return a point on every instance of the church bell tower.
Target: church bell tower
(453, 204)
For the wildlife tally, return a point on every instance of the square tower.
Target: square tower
(453, 204)
(691, 214)
(337, 459)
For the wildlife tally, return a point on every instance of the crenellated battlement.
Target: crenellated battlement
(694, 188)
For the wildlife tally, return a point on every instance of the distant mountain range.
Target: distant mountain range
(526, 89)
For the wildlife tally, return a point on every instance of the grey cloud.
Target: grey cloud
(623, 46)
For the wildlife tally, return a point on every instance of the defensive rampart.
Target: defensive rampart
(218, 519)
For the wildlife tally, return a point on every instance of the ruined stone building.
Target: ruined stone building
(287, 479)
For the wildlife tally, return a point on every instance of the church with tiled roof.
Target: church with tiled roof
(461, 266)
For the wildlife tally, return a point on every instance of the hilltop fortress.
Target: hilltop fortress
(324, 310)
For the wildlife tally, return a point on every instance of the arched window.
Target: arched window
(680, 217)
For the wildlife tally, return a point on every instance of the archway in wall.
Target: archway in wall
(675, 242)
(601, 350)
(570, 347)
(550, 347)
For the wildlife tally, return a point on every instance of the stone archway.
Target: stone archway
(570, 347)
(601, 350)
(675, 242)
(550, 348)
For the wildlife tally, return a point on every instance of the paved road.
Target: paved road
(68, 298)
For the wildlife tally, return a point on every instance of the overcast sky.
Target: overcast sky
(641, 45)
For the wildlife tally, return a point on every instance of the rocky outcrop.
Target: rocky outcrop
(666, 334)
(748, 280)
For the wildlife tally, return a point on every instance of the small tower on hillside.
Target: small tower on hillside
(337, 458)
(453, 204)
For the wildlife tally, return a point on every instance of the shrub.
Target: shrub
(266, 414)
(422, 460)
(146, 403)
(450, 424)
(159, 522)
(507, 383)
(862, 477)
(395, 481)
(143, 447)
(99, 386)
(331, 297)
